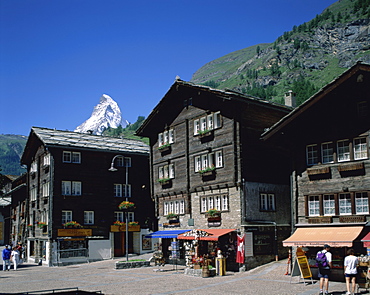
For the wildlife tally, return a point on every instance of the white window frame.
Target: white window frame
(267, 202)
(345, 203)
(66, 216)
(76, 188)
(166, 208)
(360, 148)
(327, 152)
(196, 126)
(313, 205)
(33, 168)
(166, 171)
(197, 163)
(343, 149)
(130, 216)
(182, 207)
(203, 207)
(119, 216)
(76, 157)
(33, 194)
(46, 189)
(46, 159)
(219, 159)
(329, 205)
(66, 188)
(67, 157)
(361, 201)
(117, 190)
(88, 217)
(312, 154)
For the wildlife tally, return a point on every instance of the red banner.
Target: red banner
(240, 253)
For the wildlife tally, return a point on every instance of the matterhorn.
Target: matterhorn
(105, 114)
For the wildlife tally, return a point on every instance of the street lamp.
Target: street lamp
(113, 169)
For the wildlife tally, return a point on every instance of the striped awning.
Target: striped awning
(342, 236)
(205, 234)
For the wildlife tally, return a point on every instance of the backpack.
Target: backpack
(321, 260)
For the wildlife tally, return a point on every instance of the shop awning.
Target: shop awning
(366, 240)
(205, 234)
(166, 234)
(318, 236)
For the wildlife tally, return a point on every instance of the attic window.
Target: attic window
(362, 109)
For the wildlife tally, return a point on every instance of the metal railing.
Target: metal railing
(73, 253)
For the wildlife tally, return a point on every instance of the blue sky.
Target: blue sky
(57, 57)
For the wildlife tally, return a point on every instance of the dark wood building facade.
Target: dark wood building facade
(74, 197)
(206, 153)
(328, 140)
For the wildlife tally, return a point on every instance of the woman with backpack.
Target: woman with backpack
(323, 259)
(350, 270)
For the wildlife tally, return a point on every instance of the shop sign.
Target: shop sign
(74, 232)
(214, 224)
(351, 219)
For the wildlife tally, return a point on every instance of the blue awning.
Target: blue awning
(166, 234)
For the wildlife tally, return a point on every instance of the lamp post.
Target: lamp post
(113, 169)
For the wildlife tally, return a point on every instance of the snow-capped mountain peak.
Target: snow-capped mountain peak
(105, 114)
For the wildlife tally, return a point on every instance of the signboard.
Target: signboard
(248, 244)
(304, 267)
(74, 232)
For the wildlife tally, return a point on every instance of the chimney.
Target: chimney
(290, 99)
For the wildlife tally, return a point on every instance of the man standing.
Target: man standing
(6, 257)
(324, 263)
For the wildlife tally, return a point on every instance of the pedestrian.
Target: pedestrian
(324, 263)
(350, 270)
(6, 253)
(15, 257)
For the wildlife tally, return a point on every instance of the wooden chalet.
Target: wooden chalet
(206, 155)
(74, 196)
(328, 140)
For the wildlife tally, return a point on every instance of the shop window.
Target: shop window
(329, 205)
(327, 152)
(345, 204)
(313, 206)
(362, 203)
(312, 154)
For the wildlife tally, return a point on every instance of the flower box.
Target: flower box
(125, 205)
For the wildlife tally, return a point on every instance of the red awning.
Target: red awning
(318, 236)
(205, 234)
(366, 240)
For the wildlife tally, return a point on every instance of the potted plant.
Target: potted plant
(208, 170)
(213, 215)
(164, 181)
(118, 223)
(41, 224)
(164, 147)
(126, 205)
(72, 224)
(172, 216)
(29, 226)
(133, 223)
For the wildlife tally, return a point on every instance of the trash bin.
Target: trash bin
(221, 266)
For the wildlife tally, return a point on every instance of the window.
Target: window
(46, 189)
(66, 216)
(360, 148)
(177, 207)
(73, 188)
(131, 216)
(327, 152)
(220, 202)
(88, 217)
(362, 109)
(122, 190)
(118, 215)
(343, 151)
(210, 160)
(209, 122)
(71, 157)
(166, 137)
(33, 194)
(46, 159)
(267, 202)
(33, 168)
(329, 205)
(362, 203)
(345, 204)
(166, 172)
(313, 206)
(312, 158)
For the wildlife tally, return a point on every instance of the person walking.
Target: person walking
(6, 253)
(15, 257)
(324, 263)
(350, 271)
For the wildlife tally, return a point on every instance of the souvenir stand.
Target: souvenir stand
(202, 245)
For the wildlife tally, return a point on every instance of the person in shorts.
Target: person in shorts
(324, 272)
(350, 270)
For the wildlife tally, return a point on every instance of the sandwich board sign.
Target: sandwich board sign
(301, 266)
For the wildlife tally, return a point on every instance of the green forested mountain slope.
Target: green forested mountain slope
(11, 149)
(305, 59)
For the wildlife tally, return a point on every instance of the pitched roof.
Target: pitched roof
(55, 138)
(288, 119)
(226, 94)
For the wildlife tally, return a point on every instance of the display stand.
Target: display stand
(363, 280)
